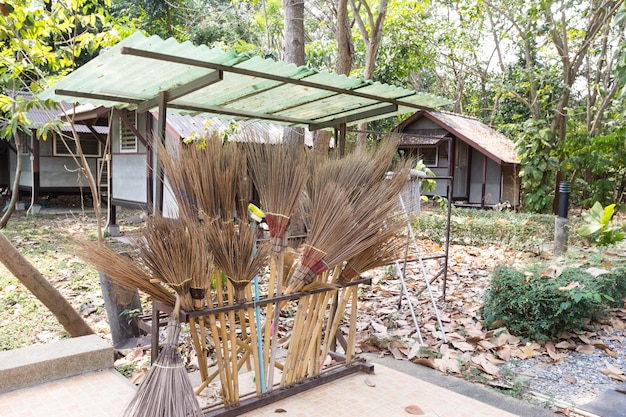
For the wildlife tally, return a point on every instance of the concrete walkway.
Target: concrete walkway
(396, 388)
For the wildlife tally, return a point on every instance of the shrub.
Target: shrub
(539, 307)
(598, 227)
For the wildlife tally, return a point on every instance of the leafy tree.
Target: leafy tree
(41, 41)
(572, 39)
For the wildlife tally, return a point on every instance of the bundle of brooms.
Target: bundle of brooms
(352, 207)
(279, 173)
(174, 252)
(213, 178)
(240, 259)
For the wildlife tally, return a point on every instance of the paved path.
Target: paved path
(386, 393)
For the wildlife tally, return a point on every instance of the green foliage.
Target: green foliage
(227, 29)
(598, 164)
(39, 46)
(597, 226)
(540, 307)
(539, 166)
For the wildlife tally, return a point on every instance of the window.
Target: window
(429, 156)
(128, 140)
(89, 144)
(25, 142)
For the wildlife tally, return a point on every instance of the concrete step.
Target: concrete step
(20, 368)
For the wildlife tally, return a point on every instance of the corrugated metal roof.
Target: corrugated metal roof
(185, 125)
(41, 116)
(198, 79)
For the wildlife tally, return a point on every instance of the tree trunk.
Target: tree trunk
(71, 321)
(343, 36)
(294, 31)
(371, 38)
(16, 184)
(120, 303)
(294, 50)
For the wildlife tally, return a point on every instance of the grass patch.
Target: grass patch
(45, 241)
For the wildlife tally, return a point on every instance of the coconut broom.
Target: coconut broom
(166, 391)
(175, 251)
(123, 270)
(346, 212)
(237, 255)
(279, 174)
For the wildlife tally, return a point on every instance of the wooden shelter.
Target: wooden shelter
(484, 167)
(147, 81)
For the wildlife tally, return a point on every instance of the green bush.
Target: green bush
(539, 307)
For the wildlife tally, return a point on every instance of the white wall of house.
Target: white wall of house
(129, 166)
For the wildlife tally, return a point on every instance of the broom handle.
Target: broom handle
(212, 376)
(304, 336)
(261, 357)
(203, 344)
(333, 312)
(274, 342)
(255, 320)
(309, 365)
(193, 331)
(352, 334)
(297, 335)
(233, 343)
(244, 332)
(334, 327)
(226, 384)
(206, 382)
(310, 319)
(269, 317)
(221, 361)
(250, 341)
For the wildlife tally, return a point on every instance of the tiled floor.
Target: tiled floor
(95, 394)
(386, 393)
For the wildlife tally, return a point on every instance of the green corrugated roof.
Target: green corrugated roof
(197, 79)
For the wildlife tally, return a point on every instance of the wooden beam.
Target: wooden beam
(95, 96)
(362, 115)
(183, 90)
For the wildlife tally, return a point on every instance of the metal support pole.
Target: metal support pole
(561, 225)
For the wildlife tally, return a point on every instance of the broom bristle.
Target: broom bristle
(279, 173)
(176, 253)
(207, 177)
(166, 391)
(236, 253)
(351, 202)
(122, 269)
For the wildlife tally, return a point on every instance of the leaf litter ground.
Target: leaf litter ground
(572, 370)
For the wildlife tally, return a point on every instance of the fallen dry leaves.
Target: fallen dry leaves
(383, 326)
